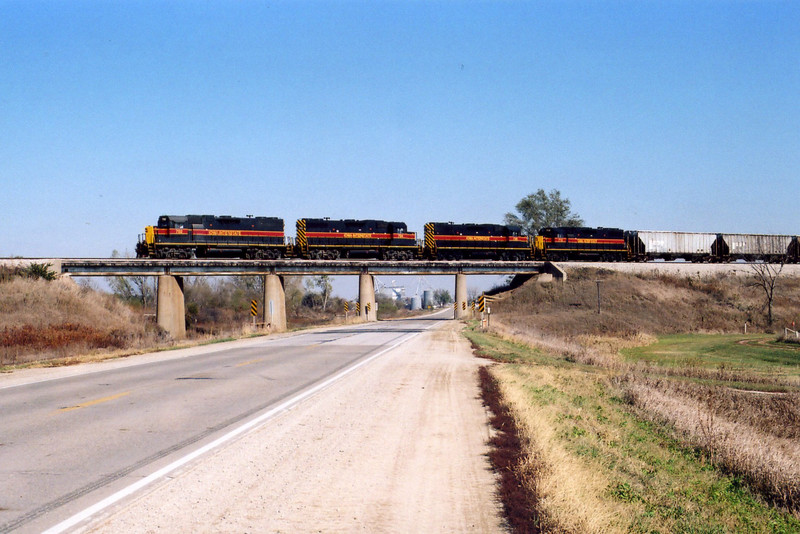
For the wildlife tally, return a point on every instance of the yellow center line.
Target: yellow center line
(95, 401)
(248, 363)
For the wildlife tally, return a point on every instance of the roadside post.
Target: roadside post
(254, 310)
(271, 313)
(598, 296)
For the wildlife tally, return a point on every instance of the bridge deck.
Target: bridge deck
(223, 267)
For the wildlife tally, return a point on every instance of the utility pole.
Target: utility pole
(598, 296)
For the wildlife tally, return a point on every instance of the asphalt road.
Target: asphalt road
(68, 442)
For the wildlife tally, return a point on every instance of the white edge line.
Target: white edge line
(284, 406)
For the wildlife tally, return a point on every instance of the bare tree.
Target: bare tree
(766, 277)
(133, 288)
(473, 293)
(323, 283)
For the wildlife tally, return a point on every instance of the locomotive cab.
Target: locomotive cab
(146, 247)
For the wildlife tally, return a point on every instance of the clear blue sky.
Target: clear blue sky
(647, 115)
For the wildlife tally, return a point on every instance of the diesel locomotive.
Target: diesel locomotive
(202, 236)
(449, 241)
(324, 239)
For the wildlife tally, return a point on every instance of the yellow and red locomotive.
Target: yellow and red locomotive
(202, 236)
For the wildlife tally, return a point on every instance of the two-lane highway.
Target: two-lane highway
(68, 443)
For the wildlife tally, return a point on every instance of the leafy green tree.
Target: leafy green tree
(540, 210)
(442, 297)
(386, 305)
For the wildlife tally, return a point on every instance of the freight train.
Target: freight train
(202, 236)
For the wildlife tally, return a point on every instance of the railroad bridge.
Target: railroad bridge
(170, 300)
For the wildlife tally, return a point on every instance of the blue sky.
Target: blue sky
(647, 115)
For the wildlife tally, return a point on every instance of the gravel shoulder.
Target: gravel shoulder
(398, 446)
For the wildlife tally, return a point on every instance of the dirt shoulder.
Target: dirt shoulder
(399, 446)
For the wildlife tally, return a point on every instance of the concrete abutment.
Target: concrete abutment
(366, 297)
(460, 307)
(170, 306)
(274, 314)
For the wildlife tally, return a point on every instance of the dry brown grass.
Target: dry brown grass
(42, 320)
(751, 433)
(568, 348)
(748, 433)
(572, 494)
(635, 305)
(754, 435)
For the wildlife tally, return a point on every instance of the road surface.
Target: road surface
(302, 432)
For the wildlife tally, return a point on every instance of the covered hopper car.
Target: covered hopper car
(750, 247)
(647, 245)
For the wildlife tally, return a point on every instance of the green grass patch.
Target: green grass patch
(492, 347)
(758, 353)
(662, 485)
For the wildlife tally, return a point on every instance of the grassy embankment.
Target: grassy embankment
(48, 322)
(625, 429)
(55, 321)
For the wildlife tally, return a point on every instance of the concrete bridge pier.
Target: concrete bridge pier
(460, 311)
(274, 303)
(170, 307)
(366, 295)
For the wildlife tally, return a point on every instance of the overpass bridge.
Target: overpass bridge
(170, 307)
